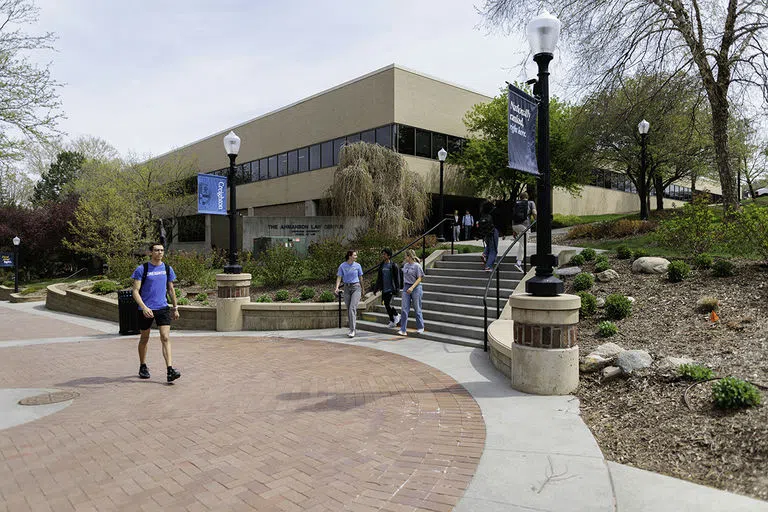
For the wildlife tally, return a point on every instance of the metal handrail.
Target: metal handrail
(423, 239)
(496, 272)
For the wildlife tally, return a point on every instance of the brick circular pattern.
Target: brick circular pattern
(49, 398)
(253, 424)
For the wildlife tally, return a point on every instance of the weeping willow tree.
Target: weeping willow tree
(374, 182)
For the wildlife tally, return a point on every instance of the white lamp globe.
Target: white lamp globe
(543, 32)
(643, 127)
(232, 143)
(16, 240)
(442, 154)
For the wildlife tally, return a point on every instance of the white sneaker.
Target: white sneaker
(391, 325)
(397, 318)
(518, 267)
(420, 331)
(351, 334)
(402, 333)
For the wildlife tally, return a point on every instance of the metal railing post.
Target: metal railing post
(525, 252)
(339, 310)
(498, 313)
(485, 330)
(424, 252)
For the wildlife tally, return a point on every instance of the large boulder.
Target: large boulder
(631, 360)
(568, 271)
(607, 350)
(593, 362)
(608, 275)
(650, 265)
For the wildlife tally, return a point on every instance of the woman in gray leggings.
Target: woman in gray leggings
(352, 274)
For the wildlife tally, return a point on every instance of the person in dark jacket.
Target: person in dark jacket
(388, 281)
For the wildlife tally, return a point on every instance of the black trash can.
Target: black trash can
(127, 312)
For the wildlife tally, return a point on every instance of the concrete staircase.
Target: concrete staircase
(453, 301)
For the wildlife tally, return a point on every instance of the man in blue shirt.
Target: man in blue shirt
(149, 292)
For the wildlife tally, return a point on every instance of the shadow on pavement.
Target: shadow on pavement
(98, 381)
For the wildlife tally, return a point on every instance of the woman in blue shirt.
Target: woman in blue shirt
(352, 274)
(412, 292)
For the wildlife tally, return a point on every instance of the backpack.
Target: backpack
(146, 270)
(520, 212)
(485, 225)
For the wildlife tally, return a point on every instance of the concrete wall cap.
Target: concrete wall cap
(500, 335)
(281, 306)
(227, 278)
(562, 302)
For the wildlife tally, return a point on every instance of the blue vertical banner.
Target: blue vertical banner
(6, 259)
(521, 131)
(211, 194)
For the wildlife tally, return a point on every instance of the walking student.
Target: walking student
(522, 213)
(351, 273)
(152, 281)
(412, 292)
(467, 221)
(487, 230)
(456, 225)
(388, 282)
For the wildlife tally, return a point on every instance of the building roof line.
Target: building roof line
(313, 96)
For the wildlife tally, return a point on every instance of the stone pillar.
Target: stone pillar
(234, 290)
(545, 354)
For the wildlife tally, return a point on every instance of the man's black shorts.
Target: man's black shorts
(162, 317)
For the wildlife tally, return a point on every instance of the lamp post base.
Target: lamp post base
(544, 286)
(233, 269)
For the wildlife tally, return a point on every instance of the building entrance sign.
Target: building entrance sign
(211, 194)
(521, 131)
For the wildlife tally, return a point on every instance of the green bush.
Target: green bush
(602, 266)
(703, 260)
(279, 265)
(601, 257)
(562, 221)
(695, 372)
(126, 282)
(623, 252)
(201, 297)
(707, 304)
(36, 288)
(264, 298)
(677, 271)
(326, 296)
(589, 254)
(588, 304)
(723, 268)
(325, 257)
(307, 293)
(607, 329)
(583, 281)
(295, 300)
(749, 231)
(617, 306)
(577, 260)
(205, 303)
(620, 228)
(9, 283)
(692, 230)
(104, 287)
(640, 253)
(120, 267)
(189, 267)
(732, 393)
(282, 295)
(177, 292)
(183, 301)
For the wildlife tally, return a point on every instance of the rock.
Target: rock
(668, 364)
(607, 350)
(610, 373)
(564, 257)
(593, 362)
(631, 299)
(631, 360)
(568, 271)
(650, 265)
(608, 275)
(600, 302)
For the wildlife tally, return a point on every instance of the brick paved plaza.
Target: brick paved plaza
(253, 424)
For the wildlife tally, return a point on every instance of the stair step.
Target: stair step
(477, 291)
(506, 266)
(465, 331)
(458, 309)
(471, 281)
(472, 300)
(477, 273)
(447, 317)
(364, 325)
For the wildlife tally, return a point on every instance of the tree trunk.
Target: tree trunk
(693, 184)
(719, 104)
(659, 184)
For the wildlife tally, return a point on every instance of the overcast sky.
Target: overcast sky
(149, 76)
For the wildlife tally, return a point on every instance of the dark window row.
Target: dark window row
(612, 180)
(418, 142)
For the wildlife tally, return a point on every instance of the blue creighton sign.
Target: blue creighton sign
(211, 194)
(521, 131)
(6, 259)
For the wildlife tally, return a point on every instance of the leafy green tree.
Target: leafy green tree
(60, 177)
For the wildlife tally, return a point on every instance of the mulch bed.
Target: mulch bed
(643, 420)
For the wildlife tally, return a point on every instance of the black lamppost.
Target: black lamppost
(543, 32)
(232, 146)
(643, 127)
(442, 155)
(16, 242)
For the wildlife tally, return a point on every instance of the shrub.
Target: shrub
(583, 281)
(623, 252)
(326, 296)
(279, 265)
(307, 293)
(577, 260)
(620, 228)
(617, 306)
(722, 268)
(325, 257)
(126, 282)
(602, 266)
(282, 295)
(607, 329)
(589, 254)
(104, 287)
(692, 230)
(707, 304)
(601, 257)
(749, 233)
(702, 260)
(189, 267)
(201, 297)
(120, 267)
(36, 288)
(640, 253)
(264, 298)
(295, 300)
(561, 221)
(177, 292)
(183, 301)
(731, 393)
(695, 372)
(677, 271)
(588, 304)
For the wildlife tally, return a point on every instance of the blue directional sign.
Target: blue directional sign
(211, 194)
(521, 131)
(6, 259)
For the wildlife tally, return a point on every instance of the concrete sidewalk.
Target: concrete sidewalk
(538, 454)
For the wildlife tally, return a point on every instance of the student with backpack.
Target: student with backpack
(486, 229)
(152, 282)
(522, 213)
